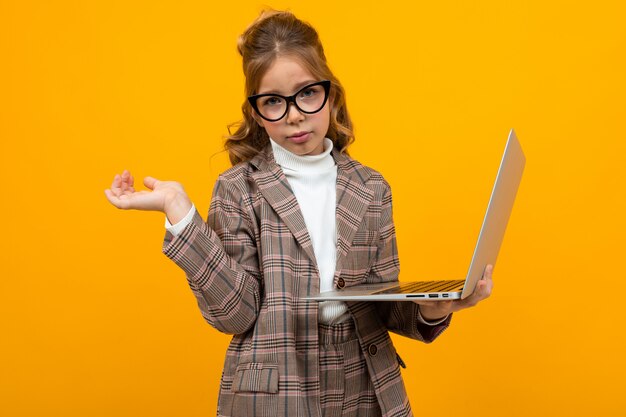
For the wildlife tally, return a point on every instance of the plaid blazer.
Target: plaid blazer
(253, 260)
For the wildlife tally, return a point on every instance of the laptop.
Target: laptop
(485, 253)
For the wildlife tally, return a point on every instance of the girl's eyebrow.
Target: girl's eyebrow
(297, 87)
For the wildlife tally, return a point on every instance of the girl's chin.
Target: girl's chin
(304, 148)
(310, 152)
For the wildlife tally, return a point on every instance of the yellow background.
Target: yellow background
(95, 321)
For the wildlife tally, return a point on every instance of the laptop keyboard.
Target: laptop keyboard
(424, 286)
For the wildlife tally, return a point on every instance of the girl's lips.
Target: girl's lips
(301, 138)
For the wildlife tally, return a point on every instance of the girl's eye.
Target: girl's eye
(308, 93)
(271, 101)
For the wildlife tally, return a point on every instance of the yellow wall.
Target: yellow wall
(95, 321)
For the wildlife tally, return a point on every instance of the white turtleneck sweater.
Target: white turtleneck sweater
(313, 180)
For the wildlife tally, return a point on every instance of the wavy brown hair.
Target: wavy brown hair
(273, 34)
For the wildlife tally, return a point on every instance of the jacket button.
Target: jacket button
(341, 283)
(372, 349)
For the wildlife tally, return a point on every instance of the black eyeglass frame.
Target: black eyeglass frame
(290, 99)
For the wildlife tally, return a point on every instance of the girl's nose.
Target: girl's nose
(293, 114)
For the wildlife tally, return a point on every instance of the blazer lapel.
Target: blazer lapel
(353, 199)
(275, 188)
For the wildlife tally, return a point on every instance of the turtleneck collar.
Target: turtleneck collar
(305, 163)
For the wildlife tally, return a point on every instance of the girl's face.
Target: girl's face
(299, 133)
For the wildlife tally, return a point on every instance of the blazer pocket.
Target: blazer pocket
(364, 238)
(256, 377)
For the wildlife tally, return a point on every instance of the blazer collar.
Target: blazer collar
(353, 198)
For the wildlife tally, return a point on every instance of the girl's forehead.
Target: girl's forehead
(285, 76)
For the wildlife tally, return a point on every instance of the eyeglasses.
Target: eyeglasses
(273, 107)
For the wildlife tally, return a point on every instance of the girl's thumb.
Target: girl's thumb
(150, 182)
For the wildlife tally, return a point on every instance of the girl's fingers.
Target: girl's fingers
(482, 290)
(484, 286)
(478, 291)
(116, 186)
(121, 184)
(488, 272)
(126, 180)
(113, 199)
(116, 181)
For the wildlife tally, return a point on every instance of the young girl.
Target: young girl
(293, 216)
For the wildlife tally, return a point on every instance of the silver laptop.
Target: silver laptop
(485, 253)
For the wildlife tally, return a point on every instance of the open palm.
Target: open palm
(162, 194)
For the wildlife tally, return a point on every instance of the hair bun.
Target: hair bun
(265, 14)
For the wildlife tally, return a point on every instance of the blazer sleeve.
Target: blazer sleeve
(400, 317)
(220, 260)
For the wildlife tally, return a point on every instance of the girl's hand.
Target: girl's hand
(434, 310)
(166, 196)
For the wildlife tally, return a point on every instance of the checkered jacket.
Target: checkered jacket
(252, 262)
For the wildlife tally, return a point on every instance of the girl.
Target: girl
(293, 216)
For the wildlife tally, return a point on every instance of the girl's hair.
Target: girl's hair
(274, 34)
